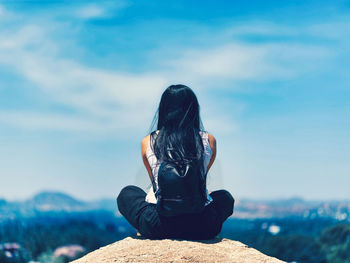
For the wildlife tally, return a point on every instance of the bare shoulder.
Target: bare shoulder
(212, 143)
(145, 143)
(212, 139)
(145, 139)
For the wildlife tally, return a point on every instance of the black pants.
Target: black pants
(144, 217)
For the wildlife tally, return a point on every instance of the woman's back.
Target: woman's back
(179, 142)
(154, 164)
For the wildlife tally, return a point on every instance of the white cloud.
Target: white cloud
(335, 29)
(90, 11)
(261, 28)
(241, 61)
(112, 99)
(235, 61)
(48, 121)
(222, 125)
(5, 14)
(101, 98)
(331, 30)
(2, 10)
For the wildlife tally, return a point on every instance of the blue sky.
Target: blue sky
(80, 82)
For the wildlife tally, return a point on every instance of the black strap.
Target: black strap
(153, 137)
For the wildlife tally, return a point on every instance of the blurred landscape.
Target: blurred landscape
(55, 227)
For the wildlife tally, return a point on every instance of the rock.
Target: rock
(137, 249)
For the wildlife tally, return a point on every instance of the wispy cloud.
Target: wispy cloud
(5, 14)
(232, 61)
(250, 62)
(93, 10)
(2, 10)
(100, 97)
(90, 11)
(328, 29)
(50, 121)
(335, 30)
(112, 98)
(260, 28)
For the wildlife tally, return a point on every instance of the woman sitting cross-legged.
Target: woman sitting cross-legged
(177, 156)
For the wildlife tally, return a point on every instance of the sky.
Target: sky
(80, 82)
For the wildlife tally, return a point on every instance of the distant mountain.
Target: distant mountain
(46, 202)
(55, 201)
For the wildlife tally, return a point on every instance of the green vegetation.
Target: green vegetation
(336, 243)
(300, 240)
(40, 236)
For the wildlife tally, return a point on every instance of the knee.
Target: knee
(229, 200)
(123, 194)
(228, 197)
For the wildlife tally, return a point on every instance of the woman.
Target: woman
(178, 136)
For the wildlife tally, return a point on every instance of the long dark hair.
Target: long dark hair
(179, 125)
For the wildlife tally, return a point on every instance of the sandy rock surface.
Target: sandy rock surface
(137, 249)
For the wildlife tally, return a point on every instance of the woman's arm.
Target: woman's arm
(144, 144)
(212, 143)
